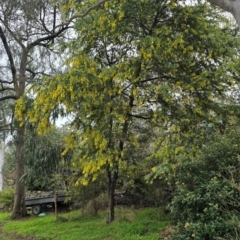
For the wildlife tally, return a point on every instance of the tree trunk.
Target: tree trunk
(231, 6)
(19, 207)
(112, 180)
(55, 204)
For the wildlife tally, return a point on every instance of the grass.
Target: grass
(129, 225)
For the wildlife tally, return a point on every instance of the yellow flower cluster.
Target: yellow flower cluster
(20, 109)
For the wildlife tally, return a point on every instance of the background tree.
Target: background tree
(206, 202)
(43, 158)
(28, 32)
(164, 66)
(46, 168)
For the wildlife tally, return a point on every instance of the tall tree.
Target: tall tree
(163, 65)
(28, 30)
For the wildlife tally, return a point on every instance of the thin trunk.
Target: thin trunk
(112, 180)
(55, 204)
(19, 207)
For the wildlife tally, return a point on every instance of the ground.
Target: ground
(13, 236)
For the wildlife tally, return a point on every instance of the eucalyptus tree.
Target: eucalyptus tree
(43, 158)
(28, 33)
(46, 168)
(231, 6)
(157, 62)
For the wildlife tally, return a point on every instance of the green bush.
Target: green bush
(7, 199)
(98, 203)
(206, 204)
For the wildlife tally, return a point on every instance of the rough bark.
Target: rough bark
(19, 208)
(231, 6)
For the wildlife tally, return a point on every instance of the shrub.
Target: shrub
(206, 204)
(7, 199)
(97, 203)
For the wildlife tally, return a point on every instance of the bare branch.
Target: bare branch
(84, 14)
(8, 97)
(5, 82)
(6, 89)
(97, 5)
(47, 38)
(42, 20)
(65, 25)
(37, 73)
(12, 33)
(9, 54)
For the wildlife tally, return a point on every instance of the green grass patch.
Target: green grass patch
(129, 225)
(4, 216)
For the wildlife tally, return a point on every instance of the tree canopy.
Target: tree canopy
(166, 67)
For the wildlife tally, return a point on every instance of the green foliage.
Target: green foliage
(167, 69)
(206, 203)
(90, 198)
(139, 193)
(45, 165)
(98, 203)
(8, 169)
(7, 198)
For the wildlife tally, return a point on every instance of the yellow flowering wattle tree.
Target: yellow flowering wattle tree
(135, 65)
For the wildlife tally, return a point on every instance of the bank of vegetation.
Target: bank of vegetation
(149, 91)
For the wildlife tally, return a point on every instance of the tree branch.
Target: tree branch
(139, 116)
(231, 6)
(12, 33)
(47, 38)
(85, 13)
(65, 25)
(6, 89)
(5, 82)
(226, 5)
(8, 97)
(36, 73)
(9, 54)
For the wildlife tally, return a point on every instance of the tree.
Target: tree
(206, 201)
(27, 31)
(163, 68)
(19, 42)
(43, 157)
(231, 6)
(46, 168)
